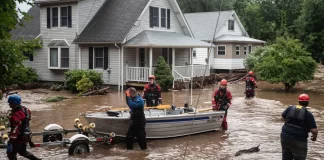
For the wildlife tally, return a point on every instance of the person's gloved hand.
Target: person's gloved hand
(313, 138)
(127, 93)
(160, 101)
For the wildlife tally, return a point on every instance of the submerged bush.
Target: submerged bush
(84, 84)
(55, 99)
(74, 76)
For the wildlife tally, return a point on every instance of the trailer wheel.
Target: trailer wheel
(79, 147)
(53, 138)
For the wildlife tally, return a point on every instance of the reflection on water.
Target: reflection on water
(250, 123)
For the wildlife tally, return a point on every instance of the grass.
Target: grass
(55, 99)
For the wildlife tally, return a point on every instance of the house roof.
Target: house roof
(112, 22)
(31, 28)
(53, 1)
(58, 42)
(236, 38)
(151, 38)
(203, 24)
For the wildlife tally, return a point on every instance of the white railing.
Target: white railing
(177, 76)
(198, 70)
(137, 74)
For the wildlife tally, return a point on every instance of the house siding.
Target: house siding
(130, 59)
(113, 55)
(144, 23)
(87, 9)
(224, 29)
(41, 58)
(228, 53)
(201, 55)
(182, 56)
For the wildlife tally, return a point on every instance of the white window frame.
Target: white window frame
(59, 16)
(239, 50)
(103, 58)
(218, 49)
(58, 56)
(245, 50)
(228, 23)
(194, 50)
(166, 18)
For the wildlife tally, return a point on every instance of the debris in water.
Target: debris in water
(226, 134)
(251, 150)
(55, 99)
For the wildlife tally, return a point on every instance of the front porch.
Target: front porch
(179, 60)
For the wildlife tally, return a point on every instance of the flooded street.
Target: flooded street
(250, 123)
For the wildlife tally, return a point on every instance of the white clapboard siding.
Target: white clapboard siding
(201, 55)
(130, 58)
(182, 56)
(224, 29)
(144, 23)
(40, 62)
(113, 55)
(87, 9)
(221, 63)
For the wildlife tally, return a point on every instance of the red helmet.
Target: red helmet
(151, 77)
(223, 82)
(251, 73)
(303, 98)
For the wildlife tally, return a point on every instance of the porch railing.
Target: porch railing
(198, 70)
(137, 74)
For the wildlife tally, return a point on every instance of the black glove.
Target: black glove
(313, 138)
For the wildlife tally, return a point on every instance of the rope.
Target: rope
(202, 82)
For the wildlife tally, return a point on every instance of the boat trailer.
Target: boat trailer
(53, 136)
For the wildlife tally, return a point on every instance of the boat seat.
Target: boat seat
(113, 113)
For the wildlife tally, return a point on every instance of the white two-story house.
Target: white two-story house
(122, 39)
(231, 39)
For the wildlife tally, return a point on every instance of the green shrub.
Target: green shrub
(24, 75)
(163, 74)
(55, 99)
(74, 76)
(84, 84)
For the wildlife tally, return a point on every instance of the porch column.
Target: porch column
(209, 56)
(122, 68)
(151, 60)
(137, 57)
(173, 63)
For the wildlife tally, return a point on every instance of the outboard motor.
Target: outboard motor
(173, 107)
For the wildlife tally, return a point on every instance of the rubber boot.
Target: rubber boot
(31, 156)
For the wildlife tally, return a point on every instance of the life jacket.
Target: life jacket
(137, 114)
(249, 82)
(25, 122)
(152, 91)
(296, 116)
(221, 99)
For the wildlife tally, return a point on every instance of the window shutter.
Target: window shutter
(48, 17)
(168, 18)
(158, 15)
(151, 17)
(106, 58)
(90, 57)
(69, 17)
(31, 57)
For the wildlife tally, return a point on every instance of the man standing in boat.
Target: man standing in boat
(137, 126)
(152, 93)
(298, 123)
(222, 100)
(250, 85)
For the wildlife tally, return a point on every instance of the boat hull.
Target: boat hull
(160, 126)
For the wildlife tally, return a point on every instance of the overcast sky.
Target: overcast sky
(23, 7)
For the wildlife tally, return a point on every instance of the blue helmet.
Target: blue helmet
(15, 98)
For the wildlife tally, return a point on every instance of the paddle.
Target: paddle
(157, 107)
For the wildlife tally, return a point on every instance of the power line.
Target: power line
(88, 14)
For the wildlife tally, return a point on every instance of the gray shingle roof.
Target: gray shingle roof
(112, 22)
(203, 24)
(150, 38)
(56, 43)
(31, 28)
(237, 38)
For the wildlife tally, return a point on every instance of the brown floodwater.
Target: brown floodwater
(251, 123)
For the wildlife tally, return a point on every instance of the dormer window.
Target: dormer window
(231, 25)
(59, 17)
(159, 17)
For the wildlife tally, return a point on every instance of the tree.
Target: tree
(284, 61)
(12, 50)
(163, 74)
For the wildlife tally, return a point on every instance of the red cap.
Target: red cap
(151, 77)
(223, 82)
(251, 73)
(303, 98)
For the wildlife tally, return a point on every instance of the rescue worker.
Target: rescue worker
(222, 100)
(19, 124)
(298, 123)
(137, 126)
(250, 85)
(152, 93)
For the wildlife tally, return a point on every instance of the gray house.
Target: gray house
(120, 38)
